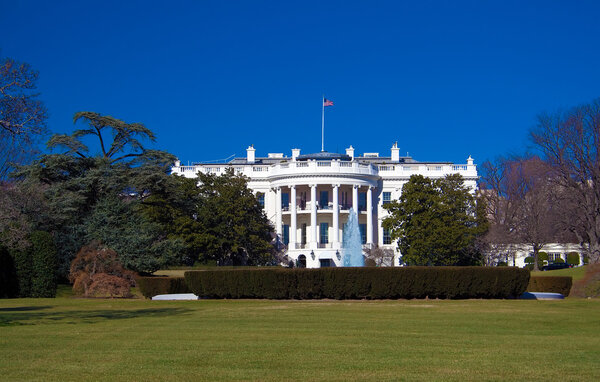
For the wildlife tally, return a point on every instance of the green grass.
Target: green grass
(68, 339)
(576, 273)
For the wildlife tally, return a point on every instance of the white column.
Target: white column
(313, 216)
(292, 244)
(370, 215)
(355, 198)
(336, 217)
(278, 223)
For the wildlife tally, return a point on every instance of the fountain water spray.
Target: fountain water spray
(352, 242)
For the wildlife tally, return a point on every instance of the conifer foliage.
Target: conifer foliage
(436, 222)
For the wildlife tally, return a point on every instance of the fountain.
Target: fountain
(352, 242)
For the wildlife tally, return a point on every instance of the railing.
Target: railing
(387, 168)
(323, 164)
(462, 167)
(260, 168)
(324, 245)
(302, 164)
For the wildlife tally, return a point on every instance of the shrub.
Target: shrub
(558, 261)
(24, 268)
(9, 285)
(96, 271)
(360, 283)
(502, 264)
(551, 284)
(573, 258)
(153, 286)
(542, 259)
(589, 285)
(529, 260)
(44, 263)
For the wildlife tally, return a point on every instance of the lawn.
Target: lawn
(576, 273)
(85, 339)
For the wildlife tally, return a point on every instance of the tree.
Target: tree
(436, 222)
(43, 282)
(521, 208)
(570, 144)
(233, 229)
(75, 181)
(381, 257)
(96, 270)
(22, 115)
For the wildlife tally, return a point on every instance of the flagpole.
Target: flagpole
(323, 123)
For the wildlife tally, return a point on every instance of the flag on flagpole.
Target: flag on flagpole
(327, 102)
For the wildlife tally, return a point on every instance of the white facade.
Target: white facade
(308, 197)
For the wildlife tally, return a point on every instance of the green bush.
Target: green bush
(558, 261)
(360, 283)
(551, 284)
(44, 263)
(153, 286)
(9, 284)
(542, 259)
(24, 266)
(529, 260)
(573, 258)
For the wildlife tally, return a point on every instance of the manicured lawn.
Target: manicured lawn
(576, 273)
(76, 339)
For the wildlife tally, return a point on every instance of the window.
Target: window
(363, 233)
(387, 197)
(362, 201)
(387, 238)
(261, 199)
(285, 201)
(324, 200)
(324, 233)
(286, 234)
(303, 234)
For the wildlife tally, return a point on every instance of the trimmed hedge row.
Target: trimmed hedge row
(551, 284)
(152, 286)
(361, 283)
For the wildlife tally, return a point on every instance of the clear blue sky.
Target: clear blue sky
(446, 79)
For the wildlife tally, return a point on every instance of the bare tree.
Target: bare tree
(383, 257)
(519, 195)
(22, 115)
(570, 143)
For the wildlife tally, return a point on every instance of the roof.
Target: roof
(324, 155)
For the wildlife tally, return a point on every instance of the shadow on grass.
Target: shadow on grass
(32, 316)
(25, 308)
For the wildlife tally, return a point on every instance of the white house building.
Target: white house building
(308, 197)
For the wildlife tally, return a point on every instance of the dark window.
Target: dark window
(387, 238)
(363, 233)
(303, 234)
(362, 201)
(324, 199)
(286, 234)
(285, 201)
(324, 263)
(387, 197)
(324, 233)
(301, 261)
(261, 199)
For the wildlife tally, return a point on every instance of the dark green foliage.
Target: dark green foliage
(551, 284)
(9, 285)
(542, 259)
(436, 222)
(231, 227)
(24, 267)
(573, 258)
(559, 260)
(139, 243)
(75, 182)
(43, 283)
(529, 260)
(360, 283)
(152, 286)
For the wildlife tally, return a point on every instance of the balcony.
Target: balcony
(323, 168)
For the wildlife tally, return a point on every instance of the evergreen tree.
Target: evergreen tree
(436, 222)
(43, 282)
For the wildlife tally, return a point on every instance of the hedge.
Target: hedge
(153, 286)
(551, 284)
(44, 264)
(361, 283)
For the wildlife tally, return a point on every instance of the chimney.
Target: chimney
(295, 154)
(350, 152)
(250, 154)
(395, 153)
(470, 161)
